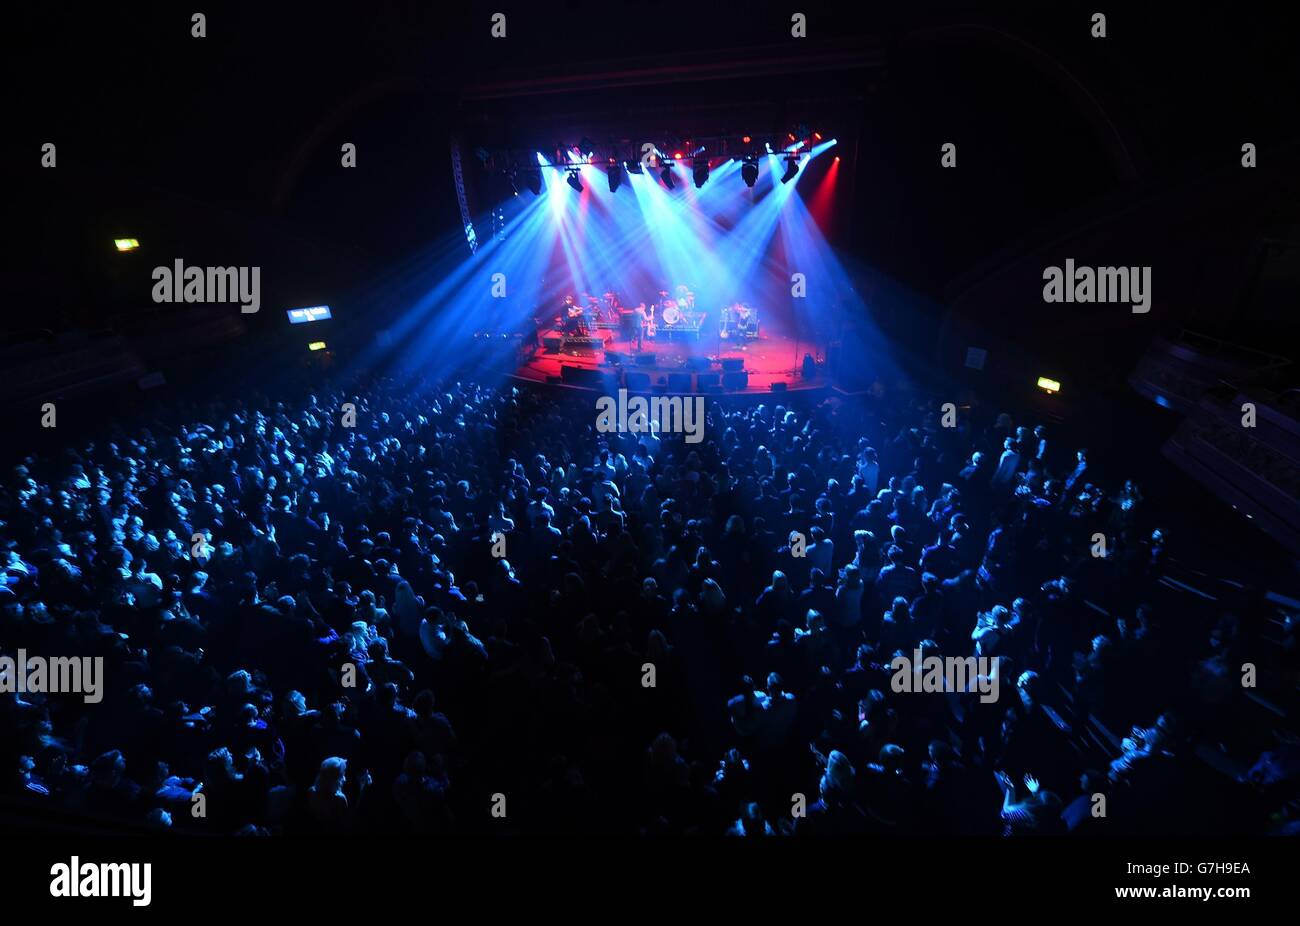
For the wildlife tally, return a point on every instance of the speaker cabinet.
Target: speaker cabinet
(735, 379)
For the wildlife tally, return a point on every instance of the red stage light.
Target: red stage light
(677, 155)
(837, 158)
(747, 139)
(817, 135)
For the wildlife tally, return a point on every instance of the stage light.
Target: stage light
(316, 345)
(575, 181)
(791, 169)
(746, 139)
(587, 146)
(837, 159)
(749, 171)
(700, 172)
(633, 167)
(1050, 386)
(615, 175)
(666, 175)
(817, 136)
(533, 179)
(126, 244)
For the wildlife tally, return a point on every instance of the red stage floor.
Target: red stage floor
(771, 358)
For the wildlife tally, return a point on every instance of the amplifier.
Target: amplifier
(582, 343)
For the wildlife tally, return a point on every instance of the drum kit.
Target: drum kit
(679, 313)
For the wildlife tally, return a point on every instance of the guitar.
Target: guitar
(650, 323)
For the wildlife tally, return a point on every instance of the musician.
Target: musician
(746, 321)
(571, 316)
(740, 320)
(642, 320)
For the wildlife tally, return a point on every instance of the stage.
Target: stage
(679, 363)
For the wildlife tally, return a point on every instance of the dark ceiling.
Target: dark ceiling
(248, 121)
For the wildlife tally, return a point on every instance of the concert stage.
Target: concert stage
(710, 364)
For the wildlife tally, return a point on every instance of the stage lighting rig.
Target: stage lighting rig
(574, 180)
(666, 175)
(749, 170)
(615, 175)
(533, 179)
(791, 169)
(700, 172)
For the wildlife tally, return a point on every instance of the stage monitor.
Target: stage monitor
(735, 379)
(315, 313)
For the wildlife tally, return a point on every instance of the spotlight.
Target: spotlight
(126, 244)
(700, 172)
(615, 175)
(575, 181)
(533, 179)
(633, 167)
(749, 171)
(791, 168)
(666, 175)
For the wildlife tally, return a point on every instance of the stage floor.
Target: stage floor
(768, 359)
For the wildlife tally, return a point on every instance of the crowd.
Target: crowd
(471, 612)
